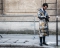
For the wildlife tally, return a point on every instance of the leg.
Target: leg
(44, 39)
(44, 42)
(40, 41)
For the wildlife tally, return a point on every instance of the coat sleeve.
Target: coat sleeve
(40, 14)
(47, 17)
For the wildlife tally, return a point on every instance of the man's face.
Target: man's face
(45, 7)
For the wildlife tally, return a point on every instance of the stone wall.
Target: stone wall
(17, 14)
(27, 7)
(1, 7)
(18, 7)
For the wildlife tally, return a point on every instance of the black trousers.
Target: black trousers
(42, 39)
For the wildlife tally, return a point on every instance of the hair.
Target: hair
(45, 4)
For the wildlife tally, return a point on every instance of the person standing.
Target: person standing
(43, 23)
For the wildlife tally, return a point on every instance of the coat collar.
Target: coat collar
(42, 9)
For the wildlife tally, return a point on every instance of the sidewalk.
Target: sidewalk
(26, 40)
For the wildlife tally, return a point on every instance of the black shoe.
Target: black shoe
(45, 44)
(41, 45)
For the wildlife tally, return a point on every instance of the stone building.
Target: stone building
(18, 15)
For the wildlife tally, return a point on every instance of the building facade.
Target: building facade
(15, 15)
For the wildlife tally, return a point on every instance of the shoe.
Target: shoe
(45, 44)
(41, 45)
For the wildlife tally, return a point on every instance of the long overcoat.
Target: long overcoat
(43, 24)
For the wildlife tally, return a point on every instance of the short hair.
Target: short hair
(45, 4)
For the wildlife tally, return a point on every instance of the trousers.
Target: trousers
(42, 39)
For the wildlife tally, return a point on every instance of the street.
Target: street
(26, 40)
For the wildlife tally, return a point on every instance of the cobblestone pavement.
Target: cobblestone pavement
(26, 41)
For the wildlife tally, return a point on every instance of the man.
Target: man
(43, 21)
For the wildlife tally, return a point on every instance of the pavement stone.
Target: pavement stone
(25, 40)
